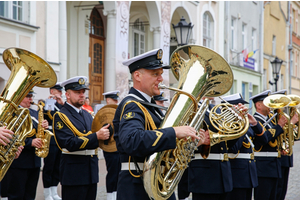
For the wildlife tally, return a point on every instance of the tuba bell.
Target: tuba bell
(27, 70)
(293, 108)
(200, 72)
(277, 103)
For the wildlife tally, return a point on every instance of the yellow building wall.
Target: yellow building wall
(275, 25)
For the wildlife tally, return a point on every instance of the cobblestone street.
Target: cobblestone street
(292, 193)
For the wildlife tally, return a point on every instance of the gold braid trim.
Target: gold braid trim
(264, 129)
(247, 145)
(258, 149)
(69, 124)
(149, 125)
(273, 144)
(235, 155)
(49, 115)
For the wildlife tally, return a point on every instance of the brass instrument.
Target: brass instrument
(201, 72)
(294, 105)
(277, 103)
(44, 135)
(27, 70)
(105, 116)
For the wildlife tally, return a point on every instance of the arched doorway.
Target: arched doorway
(96, 55)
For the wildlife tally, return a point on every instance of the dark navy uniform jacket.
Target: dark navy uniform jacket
(27, 158)
(50, 120)
(211, 176)
(76, 169)
(132, 139)
(268, 166)
(244, 174)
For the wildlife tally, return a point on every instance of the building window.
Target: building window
(244, 35)
(244, 90)
(96, 24)
(253, 39)
(274, 45)
(13, 9)
(233, 33)
(208, 30)
(138, 37)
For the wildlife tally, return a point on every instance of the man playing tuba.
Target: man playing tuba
(136, 124)
(23, 175)
(266, 152)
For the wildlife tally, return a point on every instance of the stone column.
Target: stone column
(62, 41)
(110, 51)
(156, 37)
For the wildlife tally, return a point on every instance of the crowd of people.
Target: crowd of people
(234, 169)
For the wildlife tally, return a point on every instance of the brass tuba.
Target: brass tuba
(277, 103)
(201, 72)
(27, 70)
(293, 108)
(44, 135)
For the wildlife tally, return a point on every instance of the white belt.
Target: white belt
(132, 166)
(213, 156)
(241, 156)
(50, 127)
(83, 152)
(266, 154)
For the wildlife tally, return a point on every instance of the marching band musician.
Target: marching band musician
(286, 163)
(23, 175)
(72, 130)
(266, 154)
(112, 159)
(211, 178)
(241, 156)
(134, 141)
(51, 162)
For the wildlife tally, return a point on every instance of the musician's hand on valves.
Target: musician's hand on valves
(185, 131)
(204, 137)
(5, 135)
(252, 120)
(103, 133)
(242, 108)
(37, 142)
(282, 121)
(45, 124)
(295, 119)
(20, 148)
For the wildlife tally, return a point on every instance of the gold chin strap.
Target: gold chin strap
(69, 124)
(149, 125)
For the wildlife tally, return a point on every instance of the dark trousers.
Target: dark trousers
(79, 192)
(266, 189)
(22, 183)
(240, 194)
(202, 196)
(113, 167)
(183, 187)
(51, 167)
(283, 183)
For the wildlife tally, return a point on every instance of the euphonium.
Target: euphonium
(44, 135)
(201, 72)
(277, 103)
(27, 70)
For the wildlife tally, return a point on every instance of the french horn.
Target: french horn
(294, 108)
(27, 70)
(200, 72)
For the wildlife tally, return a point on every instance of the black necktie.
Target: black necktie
(81, 113)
